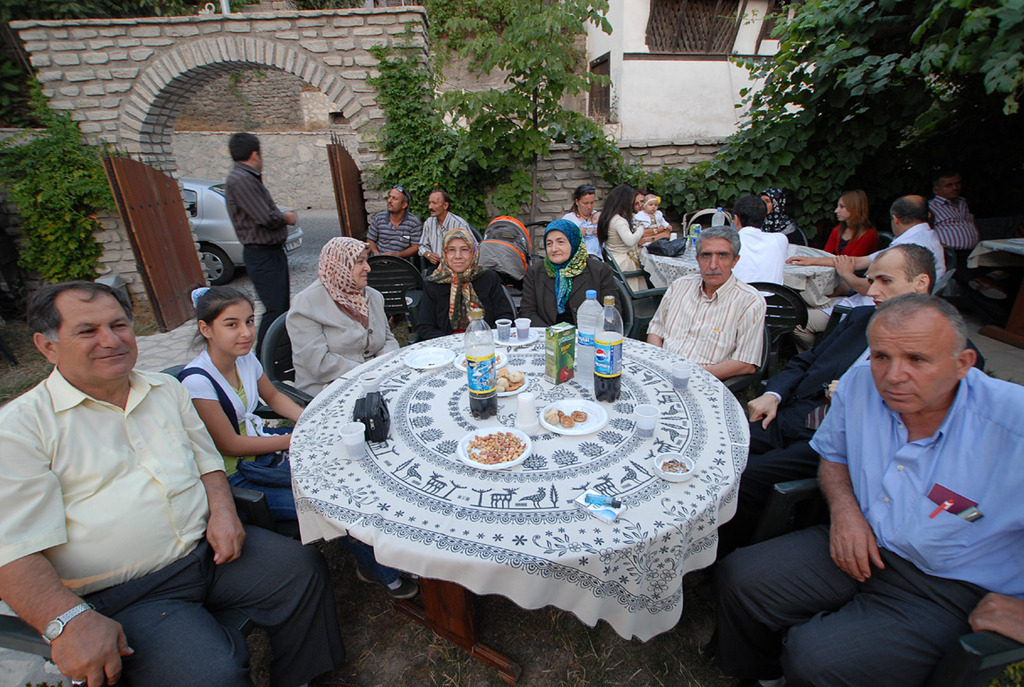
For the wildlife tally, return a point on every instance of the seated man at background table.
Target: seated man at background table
(953, 221)
(118, 535)
(762, 254)
(437, 225)
(921, 469)
(712, 319)
(395, 231)
(785, 417)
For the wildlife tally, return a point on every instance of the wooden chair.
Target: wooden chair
(393, 277)
(645, 302)
(786, 310)
(980, 656)
(276, 358)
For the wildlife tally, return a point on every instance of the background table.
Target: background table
(1003, 253)
(518, 532)
(815, 284)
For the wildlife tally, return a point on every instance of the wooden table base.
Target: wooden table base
(448, 611)
(1013, 333)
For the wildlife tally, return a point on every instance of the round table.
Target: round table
(815, 284)
(518, 532)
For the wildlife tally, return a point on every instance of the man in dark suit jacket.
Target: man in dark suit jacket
(781, 423)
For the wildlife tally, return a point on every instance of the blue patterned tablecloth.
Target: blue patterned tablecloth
(517, 532)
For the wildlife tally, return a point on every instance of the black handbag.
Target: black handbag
(372, 411)
(671, 249)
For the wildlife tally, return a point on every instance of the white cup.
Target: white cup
(504, 329)
(523, 328)
(673, 236)
(526, 413)
(680, 375)
(353, 436)
(646, 419)
(370, 382)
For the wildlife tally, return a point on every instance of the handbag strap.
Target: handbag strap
(222, 397)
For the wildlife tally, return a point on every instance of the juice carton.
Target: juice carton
(559, 352)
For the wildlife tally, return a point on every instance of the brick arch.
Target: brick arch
(162, 90)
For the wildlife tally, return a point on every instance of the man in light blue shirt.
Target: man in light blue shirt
(921, 468)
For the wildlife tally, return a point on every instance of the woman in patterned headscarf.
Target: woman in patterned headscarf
(554, 289)
(337, 322)
(458, 284)
(777, 219)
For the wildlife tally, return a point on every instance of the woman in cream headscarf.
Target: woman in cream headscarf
(458, 284)
(554, 289)
(337, 322)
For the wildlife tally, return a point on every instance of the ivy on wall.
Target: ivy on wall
(58, 185)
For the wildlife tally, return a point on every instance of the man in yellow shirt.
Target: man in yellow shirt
(118, 533)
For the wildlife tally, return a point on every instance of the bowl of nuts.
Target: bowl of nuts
(494, 449)
(673, 467)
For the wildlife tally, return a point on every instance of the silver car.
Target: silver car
(219, 249)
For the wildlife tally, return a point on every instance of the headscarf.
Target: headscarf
(564, 272)
(461, 297)
(777, 220)
(337, 260)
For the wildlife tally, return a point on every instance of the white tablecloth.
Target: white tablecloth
(518, 532)
(814, 283)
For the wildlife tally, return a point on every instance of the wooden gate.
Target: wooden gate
(348, 190)
(153, 213)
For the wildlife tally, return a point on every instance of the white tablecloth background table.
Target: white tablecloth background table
(814, 283)
(517, 532)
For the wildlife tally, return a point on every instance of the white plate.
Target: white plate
(513, 339)
(597, 417)
(499, 361)
(462, 451)
(429, 358)
(526, 383)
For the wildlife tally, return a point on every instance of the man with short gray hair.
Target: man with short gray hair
(712, 319)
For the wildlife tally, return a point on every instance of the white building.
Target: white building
(671, 78)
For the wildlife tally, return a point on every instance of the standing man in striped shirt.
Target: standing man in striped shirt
(261, 228)
(954, 222)
(395, 231)
(713, 320)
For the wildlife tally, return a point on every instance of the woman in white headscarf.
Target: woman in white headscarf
(337, 322)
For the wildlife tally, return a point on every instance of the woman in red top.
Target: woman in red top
(855, 235)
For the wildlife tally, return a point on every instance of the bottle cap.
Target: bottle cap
(476, 313)
(609, 301)
(591, 293)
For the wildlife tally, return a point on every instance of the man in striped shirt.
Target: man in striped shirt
(395, 231)
(954, 222)
(713, 320)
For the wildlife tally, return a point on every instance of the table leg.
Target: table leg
(1013, 334)
(448, 611)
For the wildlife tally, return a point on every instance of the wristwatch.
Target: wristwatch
(54, 628)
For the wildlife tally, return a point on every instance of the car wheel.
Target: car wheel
(217, 266)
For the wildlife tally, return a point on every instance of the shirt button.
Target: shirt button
(158, 471)
(899, 467)
(886, 499)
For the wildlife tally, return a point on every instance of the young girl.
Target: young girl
(226, 382)
(650, 218)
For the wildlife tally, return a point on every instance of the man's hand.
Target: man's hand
(434, 258)
(852, 545)
(226, 535)
(831, 389)
(290, 217)
(763, 407)
(999, 613)
(90, 648)
(846, 267)
(807, 261)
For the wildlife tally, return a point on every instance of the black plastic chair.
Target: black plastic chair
(628, 317)
(786, 310)
(740, 382)
(276, 358)
(885, 239)
(645, 302)
(980, 656)
(394, 277)
(797, 237)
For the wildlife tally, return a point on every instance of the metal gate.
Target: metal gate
(153, 213)
(348, 190)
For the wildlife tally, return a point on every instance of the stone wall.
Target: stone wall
(246, 100)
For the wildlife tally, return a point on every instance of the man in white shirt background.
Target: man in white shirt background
(763, 254)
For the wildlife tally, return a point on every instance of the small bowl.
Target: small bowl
(660, 460)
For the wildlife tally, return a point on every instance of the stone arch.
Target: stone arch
(164, 87)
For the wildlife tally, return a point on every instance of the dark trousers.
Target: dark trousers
(785, 608)
(283, 586)
(268, 268)
(780, 453)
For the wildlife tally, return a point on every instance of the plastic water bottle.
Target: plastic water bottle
(588, 316)
(608, 353)
(481, 371)
(718, 219)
